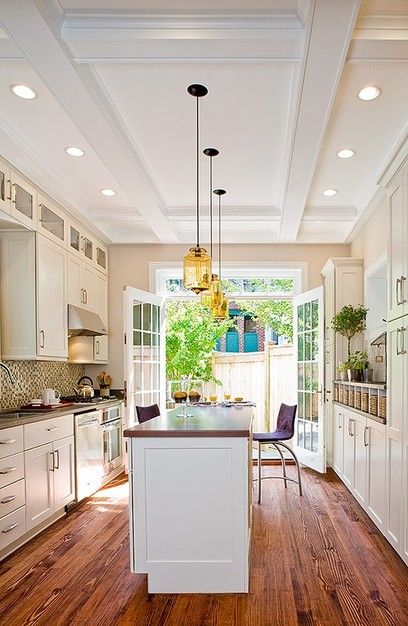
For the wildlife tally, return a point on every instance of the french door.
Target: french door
(145, 376)
(309, 442)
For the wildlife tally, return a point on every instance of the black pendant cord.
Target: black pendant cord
(198, 174)
(219, 238)
(211, 207)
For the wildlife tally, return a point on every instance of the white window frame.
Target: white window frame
(160, 271)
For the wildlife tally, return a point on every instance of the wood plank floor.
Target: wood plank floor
(316, 560)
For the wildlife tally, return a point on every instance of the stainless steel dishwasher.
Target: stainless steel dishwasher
(89, 453)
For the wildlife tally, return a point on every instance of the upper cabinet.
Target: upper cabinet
(101, 258)
(5, 190)
(397, 251)
(23, 200)
(80, 242)
(52, 221)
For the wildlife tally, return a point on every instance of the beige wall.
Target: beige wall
(129, 265)
(371, 241)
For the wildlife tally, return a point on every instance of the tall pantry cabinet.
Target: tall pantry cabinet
(397, 347)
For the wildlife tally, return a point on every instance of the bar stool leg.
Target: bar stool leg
(283, 464)
(259, 472)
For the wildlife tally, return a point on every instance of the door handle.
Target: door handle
(13, 193)
(339, 421)
(9, 189)
(397, 290)
(7, 499)
(51, 429)
(397, 343)
(366, 429)
(42, 339)
(352, 432)
(8, 470)
(57, 466)
(5, 442)
(402, 335)
(97, 346)
(11, 527)
(86, 296)
(82, 296)
(402, 290)
(52, 469)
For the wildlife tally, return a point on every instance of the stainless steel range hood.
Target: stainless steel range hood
(84, 323)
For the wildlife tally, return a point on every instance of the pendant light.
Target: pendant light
(219, 308)
(197, 262)
(206, 296)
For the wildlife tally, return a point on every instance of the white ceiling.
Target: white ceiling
(283, 78)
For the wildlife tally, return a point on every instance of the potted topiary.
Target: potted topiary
(357, 364)
(348, 322)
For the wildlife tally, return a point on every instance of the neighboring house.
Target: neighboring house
(246, 335)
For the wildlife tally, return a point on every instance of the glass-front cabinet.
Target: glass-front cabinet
(101, 258)
(80, 242)
(23, 200)
(51, 220)
(5, 191)
(87, 247)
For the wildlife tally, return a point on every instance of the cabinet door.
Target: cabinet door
(396, 411)
(39, 468)
(375, 499)
(338, 439)
(23, 200)
(397, 253)
(349, 455)
(101, 308)
(51, 299)
(5, 188)
(360, 457)
(88, 286)
(75, 294)
(51, 220)
(101, 258)
(64, 478)
(87, 247)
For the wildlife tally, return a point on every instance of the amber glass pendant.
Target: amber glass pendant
(197, 270)
(221, 311)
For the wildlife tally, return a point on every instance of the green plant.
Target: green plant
(275, 314)
(348, 322)
(358, 360)
(343, 367)
(191, 336)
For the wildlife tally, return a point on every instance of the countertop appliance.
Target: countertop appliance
(84, 388)
(112, 437)
(89, 458)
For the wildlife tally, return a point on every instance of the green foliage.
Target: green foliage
(348, 322)
(275, 314)
(257, 285)
(358, 360)
(191, 337)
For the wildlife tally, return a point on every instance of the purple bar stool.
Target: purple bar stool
(285, 428)
(146, 413)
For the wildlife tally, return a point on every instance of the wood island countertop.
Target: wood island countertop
(206, 421)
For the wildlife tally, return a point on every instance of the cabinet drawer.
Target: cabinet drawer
(11, 469)
(12, 526)
(12, 497)
(39, 433)
(11, 441)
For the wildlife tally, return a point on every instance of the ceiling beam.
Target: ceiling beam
(329, 29)
(32, 30)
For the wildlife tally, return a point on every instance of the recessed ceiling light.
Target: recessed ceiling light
(108, 192)
(346, 153)
(23, 91)
(369, 93)
(329, 192)
(75, 152)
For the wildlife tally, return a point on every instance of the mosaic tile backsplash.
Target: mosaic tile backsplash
(34, 376)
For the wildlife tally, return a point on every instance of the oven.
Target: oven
(112, 438)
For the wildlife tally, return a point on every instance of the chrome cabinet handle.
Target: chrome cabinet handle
(86, 296)
(52, 469)
(52, 428)
(13, 193)
(340, 425)
(11, 527)
(8, 470)
(402, 290)
(397, 342)
(97, 346)
(57, 466)
(7, 499)
(402, 335)
(9, 189)
(82, 296)
(5, 442)
(366, 428)
(42, 339)
(397, 291)
(351, 422)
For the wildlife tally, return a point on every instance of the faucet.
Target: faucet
(9, 373)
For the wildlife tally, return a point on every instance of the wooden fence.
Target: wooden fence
(267, 378)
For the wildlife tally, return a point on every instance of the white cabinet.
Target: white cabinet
(376, 458)
(360, 430)
(397, 249)
(64, 477)
(349, 450)
(51, 299)
(5, 189)
(52, 221)
(39, 484)
(338, 440)
(81, 283)
(23, 200)
(80, 242)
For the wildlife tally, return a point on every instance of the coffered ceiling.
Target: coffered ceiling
(283, 79)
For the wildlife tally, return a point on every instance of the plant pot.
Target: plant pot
(342, 375)
(353, 375)
(104, 392)
(368, 375)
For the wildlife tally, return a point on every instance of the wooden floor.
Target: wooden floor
(316, 560)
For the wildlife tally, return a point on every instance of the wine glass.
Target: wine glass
(213, 398)
(227, 396)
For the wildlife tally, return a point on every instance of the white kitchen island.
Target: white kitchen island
(190, 500)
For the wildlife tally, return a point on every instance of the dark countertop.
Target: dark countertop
(9, 422)
(208, 421)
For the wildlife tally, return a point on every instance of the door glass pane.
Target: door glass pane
(155, 318)
(300, 434)
(52, 222)
(74, 238)
(88, 248)
(137, 316)
(147, 316)
(315, 437)
(101, 257)
(23, 201)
